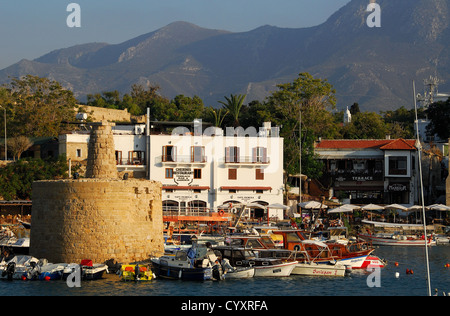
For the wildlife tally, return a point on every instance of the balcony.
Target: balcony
(170, 159)
(249, 160)
(131, 162)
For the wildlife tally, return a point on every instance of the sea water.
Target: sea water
(358, 283)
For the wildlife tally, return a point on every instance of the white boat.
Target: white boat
(240, 257)
(322, 269)
(403, 235)
(231, 272)
(89, 270)
(17, 267)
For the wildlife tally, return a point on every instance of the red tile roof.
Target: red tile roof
(383, 144)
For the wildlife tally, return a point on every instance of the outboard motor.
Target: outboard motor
(217, 272)
(10, 269)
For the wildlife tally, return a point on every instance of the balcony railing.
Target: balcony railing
(181, 159)
(130, 162)
(247, 160)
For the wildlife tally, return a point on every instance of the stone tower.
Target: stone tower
(101, 155)
(99, 217)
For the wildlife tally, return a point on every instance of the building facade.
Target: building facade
(371, 171)
(201, 167)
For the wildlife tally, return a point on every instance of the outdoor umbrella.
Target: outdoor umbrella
(340, 209)
(372, 207)
(312, 205)
(438, 207)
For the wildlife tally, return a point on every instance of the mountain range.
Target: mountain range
(372, 66)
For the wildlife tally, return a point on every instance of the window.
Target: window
(169, 153)
(119, 157)
(78, 153)
(260, 154)
(259, 174)
(232, 154)
(136, 157)
(397, 165)
(198, 154)
(197, 173)
(169, 173)
(232, 174)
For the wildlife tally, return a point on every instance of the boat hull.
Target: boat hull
(276, 270)
(180, 273)
(241, 273)
(314, 269)
(383, 241)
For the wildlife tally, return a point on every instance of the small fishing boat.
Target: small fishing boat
(16, 268)
(89, 270)
(264, 267)
(330, 269)
(199, 263)
(136, 272)
(231, 272)
(51, 271)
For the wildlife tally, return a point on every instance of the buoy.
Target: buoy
(447, 265)
(396, 264)
(24, 278)
(407, 271)
(47, 278)
(397, 275)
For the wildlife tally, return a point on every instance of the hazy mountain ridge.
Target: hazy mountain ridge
(372, 66)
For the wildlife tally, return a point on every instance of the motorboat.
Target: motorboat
(49, 271)
(352, 254)
(88, 270)
(197, 263)
(16, 268)
(264, 267)
(231, 272)
(136, 272)
(401, 236)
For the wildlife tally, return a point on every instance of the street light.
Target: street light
(6, 146)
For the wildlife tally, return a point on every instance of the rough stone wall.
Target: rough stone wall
(97, 219)
(101, 155)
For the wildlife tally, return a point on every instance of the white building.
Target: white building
(199, 168)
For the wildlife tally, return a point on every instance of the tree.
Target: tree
(218, 115)
(16, 179)
(366, 125)
(17, 145)
(439, 115)
(354, 109)
(234, 104)
(38, 107)
(312, 97)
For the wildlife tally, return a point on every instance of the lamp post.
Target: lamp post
(6, 146)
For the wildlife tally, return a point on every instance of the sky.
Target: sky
(30, 28)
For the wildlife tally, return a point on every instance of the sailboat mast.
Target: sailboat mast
(419, 150)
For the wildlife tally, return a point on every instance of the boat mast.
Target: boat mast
(419, 150)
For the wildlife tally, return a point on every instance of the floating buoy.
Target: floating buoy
(447, 265)
(396, 264)
(409, 271)
(24, 278)
(47, 278)
(397, 275)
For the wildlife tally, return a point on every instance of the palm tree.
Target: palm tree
(218, 116)
(233, 105)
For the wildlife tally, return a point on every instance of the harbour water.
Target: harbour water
(359, 283)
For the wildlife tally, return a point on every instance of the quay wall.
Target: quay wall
(97, 219)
